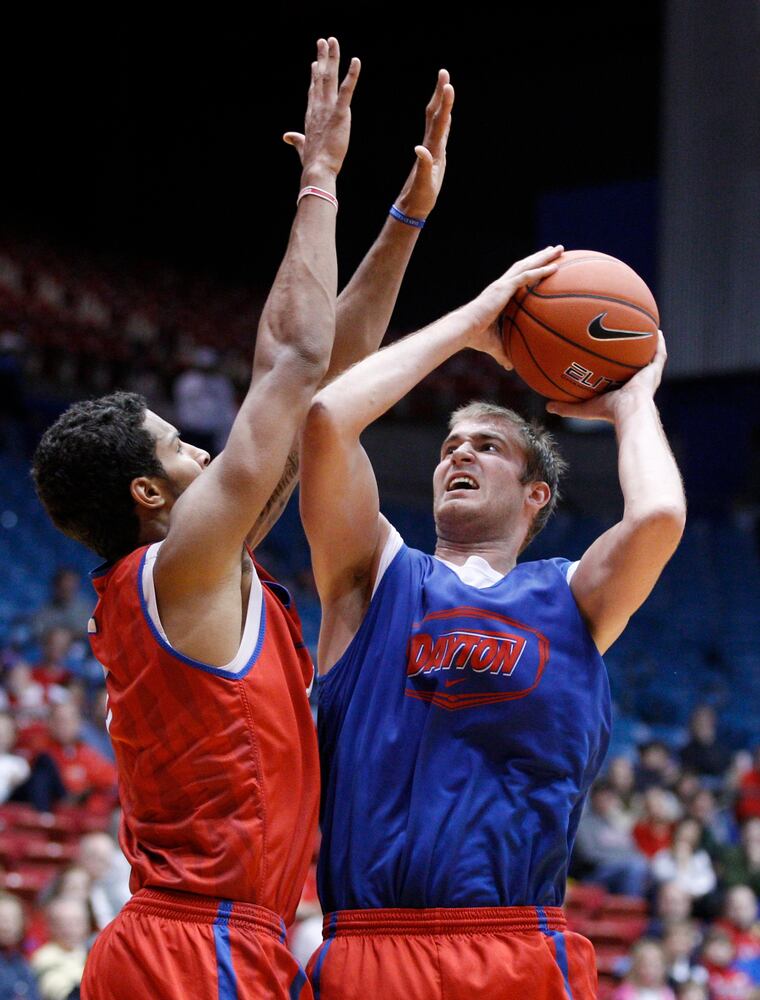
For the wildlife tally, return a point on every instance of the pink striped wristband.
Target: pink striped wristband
(318, 193)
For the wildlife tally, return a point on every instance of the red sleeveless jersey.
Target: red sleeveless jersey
(218, 768)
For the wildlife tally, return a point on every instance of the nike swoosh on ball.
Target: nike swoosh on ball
(599, 332)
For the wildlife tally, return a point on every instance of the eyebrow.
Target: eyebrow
(477, 436)
(174, 436)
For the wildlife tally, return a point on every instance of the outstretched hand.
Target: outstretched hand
(324, 141)
(492, 301)
(604, 406)
(420, 192)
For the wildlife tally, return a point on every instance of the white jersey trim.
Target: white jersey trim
(392, 546)
(251, 629)
(570, 570)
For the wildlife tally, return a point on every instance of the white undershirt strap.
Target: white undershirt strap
(252, 619)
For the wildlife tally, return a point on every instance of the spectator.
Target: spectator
(654, 831)
(725, 980)
(94, 731)
(655, 767)
(646, 979)
(66, 607)
(718, 825)
(108, 871)
(605, 844)
(672, 905)
(51, 671)
(739, 920)
(680, 944)
(741, 865)
(748, 791)
(14, 770)
(71, 882)
(703, 754)
(685, 862)
(204, 402)
(692, 991)
(25, 697)
(17, 981)
(80, 774)
(620, 776)
(59, 964)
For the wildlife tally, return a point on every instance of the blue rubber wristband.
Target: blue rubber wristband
(406, 219)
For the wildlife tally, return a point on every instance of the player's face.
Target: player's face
(479, 473)
(183, 462)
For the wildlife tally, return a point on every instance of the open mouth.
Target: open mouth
(461, 482)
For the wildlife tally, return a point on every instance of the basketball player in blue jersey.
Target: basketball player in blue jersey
(464, 704)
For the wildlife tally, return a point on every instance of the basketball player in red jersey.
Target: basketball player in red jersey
(206, 671)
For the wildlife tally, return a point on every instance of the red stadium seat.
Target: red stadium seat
(624, 906)
(26, 881)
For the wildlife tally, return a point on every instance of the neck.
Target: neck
(501, 556)
(153, 530)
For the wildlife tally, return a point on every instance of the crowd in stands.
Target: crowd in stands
(74, 326)
(678, 827)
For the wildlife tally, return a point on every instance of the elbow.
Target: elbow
(665, 523)
(323, 416)
(301, 357)
(329, 420)
(304, 364)
(310, 358)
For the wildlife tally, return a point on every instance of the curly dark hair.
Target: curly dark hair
(83, 467)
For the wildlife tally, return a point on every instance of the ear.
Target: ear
(147, 493)
(539, 495)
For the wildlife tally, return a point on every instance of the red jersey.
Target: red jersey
(218, 767)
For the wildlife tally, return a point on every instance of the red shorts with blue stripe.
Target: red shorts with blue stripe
(499, 953)
(175, 946)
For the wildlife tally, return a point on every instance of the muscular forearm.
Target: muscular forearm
(362, 394)
(649, 476)
(366, 303)
(299, 315)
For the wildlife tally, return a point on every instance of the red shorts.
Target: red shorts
(499, 953)
(175, 946)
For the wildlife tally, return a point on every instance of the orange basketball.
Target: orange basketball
(585, 329)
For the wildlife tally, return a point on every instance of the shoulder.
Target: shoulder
(549, 569)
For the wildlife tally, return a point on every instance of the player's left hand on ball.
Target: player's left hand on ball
(492, 301)
(420, 192)
(643, 384)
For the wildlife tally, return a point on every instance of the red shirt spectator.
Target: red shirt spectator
(740, 921)
(748, 793)
(51, 671)
(718, 957)
(654, 831)
(87, 776)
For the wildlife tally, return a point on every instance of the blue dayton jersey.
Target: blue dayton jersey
(459, 735)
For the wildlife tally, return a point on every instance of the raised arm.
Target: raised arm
(366, 303)
(211, 519)
(617, 572)
(339, 499)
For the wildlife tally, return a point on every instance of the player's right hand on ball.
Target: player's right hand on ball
(492, 301)
(324, 141)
